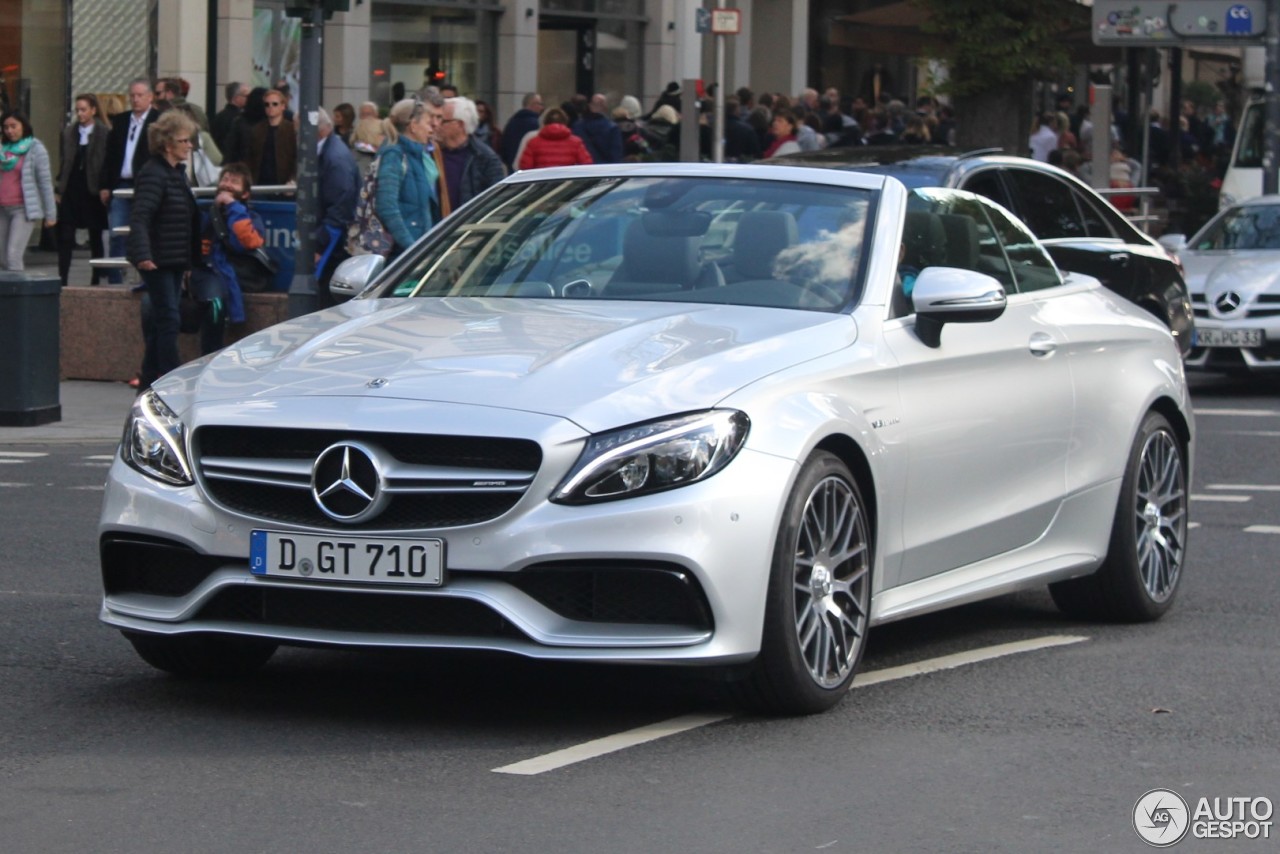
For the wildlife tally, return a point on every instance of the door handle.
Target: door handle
(1042, 345)
(1120, 258)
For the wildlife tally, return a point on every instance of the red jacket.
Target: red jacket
(555, 145)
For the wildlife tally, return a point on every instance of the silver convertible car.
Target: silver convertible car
(1233, 276)
(660, 414)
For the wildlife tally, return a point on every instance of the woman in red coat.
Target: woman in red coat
(554, 144)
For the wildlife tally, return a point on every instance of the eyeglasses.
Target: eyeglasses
(186, 141)
(274, 103)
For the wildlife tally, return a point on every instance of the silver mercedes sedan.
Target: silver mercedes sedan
(669, 414)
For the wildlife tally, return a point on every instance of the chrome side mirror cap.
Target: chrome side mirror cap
(944, 295)
(354, 275)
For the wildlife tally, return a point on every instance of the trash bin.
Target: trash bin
(29, 349)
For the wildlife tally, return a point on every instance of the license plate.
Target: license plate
(1230, 338)
(364, 559)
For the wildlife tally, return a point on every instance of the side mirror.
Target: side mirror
(1173, 242)
(944, 295)
(354, 275)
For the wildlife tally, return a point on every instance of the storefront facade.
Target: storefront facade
(492, 50)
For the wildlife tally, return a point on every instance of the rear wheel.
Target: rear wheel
(816, 614)
(202, 655)
(1139, 578)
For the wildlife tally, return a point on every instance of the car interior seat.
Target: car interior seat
(760, 236)
(654, 264)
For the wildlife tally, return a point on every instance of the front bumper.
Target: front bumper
(679, 576)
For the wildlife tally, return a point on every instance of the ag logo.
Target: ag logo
(1161, 818)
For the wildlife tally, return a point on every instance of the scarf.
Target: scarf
(11, 152)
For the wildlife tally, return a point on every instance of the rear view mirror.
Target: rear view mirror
(1174, 242)
(354, 275)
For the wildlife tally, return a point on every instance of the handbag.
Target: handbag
(367, 235)
(203, 172)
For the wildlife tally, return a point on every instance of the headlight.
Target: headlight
(153, 441)
(655, 456)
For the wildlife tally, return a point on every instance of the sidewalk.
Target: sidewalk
(91, 412)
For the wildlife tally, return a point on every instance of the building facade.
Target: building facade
(492, 50)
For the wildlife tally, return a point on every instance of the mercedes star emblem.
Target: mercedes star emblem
(347, 482)
(1227, 302)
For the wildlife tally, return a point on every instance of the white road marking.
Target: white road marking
(5, 461)
(1230, 499)
(1245, 487)
(621, 741)
(107, 457)
(1191, 525)
(1262, 529)
(26, 455)
(608, 744)
(8, 485)
(1270, 434)
(88, 488)
(1253, 413)
(960, 659)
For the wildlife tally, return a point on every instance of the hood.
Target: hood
(599, 365)
(1246, 272)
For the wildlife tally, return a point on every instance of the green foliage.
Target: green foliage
(1202, 93)
(988, 45)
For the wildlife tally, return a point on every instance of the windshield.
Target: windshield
(734, 241)
(1248, 227)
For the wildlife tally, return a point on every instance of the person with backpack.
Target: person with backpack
(231, 257)
(408, 200)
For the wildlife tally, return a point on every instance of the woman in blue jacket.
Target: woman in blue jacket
(408, 200)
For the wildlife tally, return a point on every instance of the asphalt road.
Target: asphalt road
(1039, 750)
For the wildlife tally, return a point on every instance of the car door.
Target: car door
(988, 413)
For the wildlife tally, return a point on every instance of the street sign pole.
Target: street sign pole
(302, 291)
(1271, 135)
(717, 137)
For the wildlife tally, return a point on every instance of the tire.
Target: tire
(216, 656)
(822, 557)
(1139, 578)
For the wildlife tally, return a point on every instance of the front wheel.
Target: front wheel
(202, 655)
(816, 613)
(1139, 578)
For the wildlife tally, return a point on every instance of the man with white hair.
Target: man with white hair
(470, 166)
(368, 110)
(338, 188)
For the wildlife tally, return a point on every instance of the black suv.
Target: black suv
(1081, 230)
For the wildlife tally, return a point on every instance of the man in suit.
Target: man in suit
(127, 150)
(337, 189)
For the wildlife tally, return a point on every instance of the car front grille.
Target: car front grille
(439, 481)
(364, 613)
(1263, 306)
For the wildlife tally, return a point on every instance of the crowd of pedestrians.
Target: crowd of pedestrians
(384, 178)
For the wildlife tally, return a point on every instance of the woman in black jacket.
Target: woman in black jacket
(164, 238)
(84, 147)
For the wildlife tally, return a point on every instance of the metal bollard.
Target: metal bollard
(29, 349)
